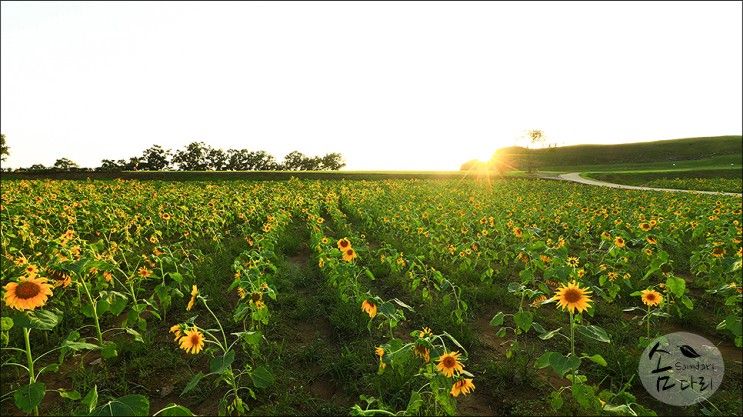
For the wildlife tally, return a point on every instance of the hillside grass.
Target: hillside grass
(725, 180)
(697, 153)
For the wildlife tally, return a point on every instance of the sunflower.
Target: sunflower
(422, 352)
(606, 235)
(108, 276)
(379, 351)
(256, 296)
(517, 232)
(325, 240)
(448, 363)
(61, 278)
(321, 263)
(651, 240)
(260, 305)
(645, 227)
(369, 308)
(651, 297)
(31, 270)
(425, 333)
(343, 244)
(349, 255)
(463, 386)
(241, 292)
(537, 302)
(176, 330)
(619, 242)
(27, 294)
(573, 261)
(572, 297)
(192, 341)
(718, 252)
(192, 301)
(144, 272)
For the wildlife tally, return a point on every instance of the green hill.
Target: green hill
(710, 152)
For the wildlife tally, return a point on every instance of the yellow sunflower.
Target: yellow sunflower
(192, 301)
(448, 363)
(572, 297)
(176, 330)
(422, 352)
(369, 308)
(192, 341)
(27, 294)
(651, 297)
(517, 232)
(349, 255)
(573, 261)
(343, 244)
(619, 242)
(718, 252)
(379, 351)
(463, 386)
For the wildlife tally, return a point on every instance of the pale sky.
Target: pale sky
(391, 86)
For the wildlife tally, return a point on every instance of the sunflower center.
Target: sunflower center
(195, 339)
(26, 290)
(650, 297)
(349, 252)
(572, 295)
(449, 362)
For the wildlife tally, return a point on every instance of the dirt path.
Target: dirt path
(575, 177)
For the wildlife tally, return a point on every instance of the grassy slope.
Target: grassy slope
(708, 152)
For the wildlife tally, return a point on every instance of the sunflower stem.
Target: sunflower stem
(30, 359)
(95, 313)
(572, 334)
(647, 323)
(224, 338)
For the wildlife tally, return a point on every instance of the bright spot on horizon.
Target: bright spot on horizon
(391, 86)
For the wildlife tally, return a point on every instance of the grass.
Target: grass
(726, 180)
(691, 153)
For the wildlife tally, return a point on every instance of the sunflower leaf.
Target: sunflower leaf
(29, 396)
(192, 383)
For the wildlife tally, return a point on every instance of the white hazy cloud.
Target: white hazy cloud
(389, 85)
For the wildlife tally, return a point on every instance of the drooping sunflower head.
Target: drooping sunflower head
(572, 297)
(192, 341)
(651, 297)
(369, 308)
(464, 386)
(651, 240)
(256, 296)
(718, 252)
(60, 277)
(28, 293)
(449, 363)
(379, 351)
(422, 352)
(176, 330)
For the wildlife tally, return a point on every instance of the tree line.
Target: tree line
(198, 156)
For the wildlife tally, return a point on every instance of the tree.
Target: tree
(216, 159)
(109, 165)
(4, 149)
(64, 164)
(195, 157)
(332, 161)
(262, 161)
(536, 136)
(155, 158)
(237, 159)
(313, 163)
(37, 167)
(293, 161)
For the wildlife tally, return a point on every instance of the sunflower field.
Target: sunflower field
(337, 297)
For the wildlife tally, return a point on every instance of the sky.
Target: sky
(391, 86)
